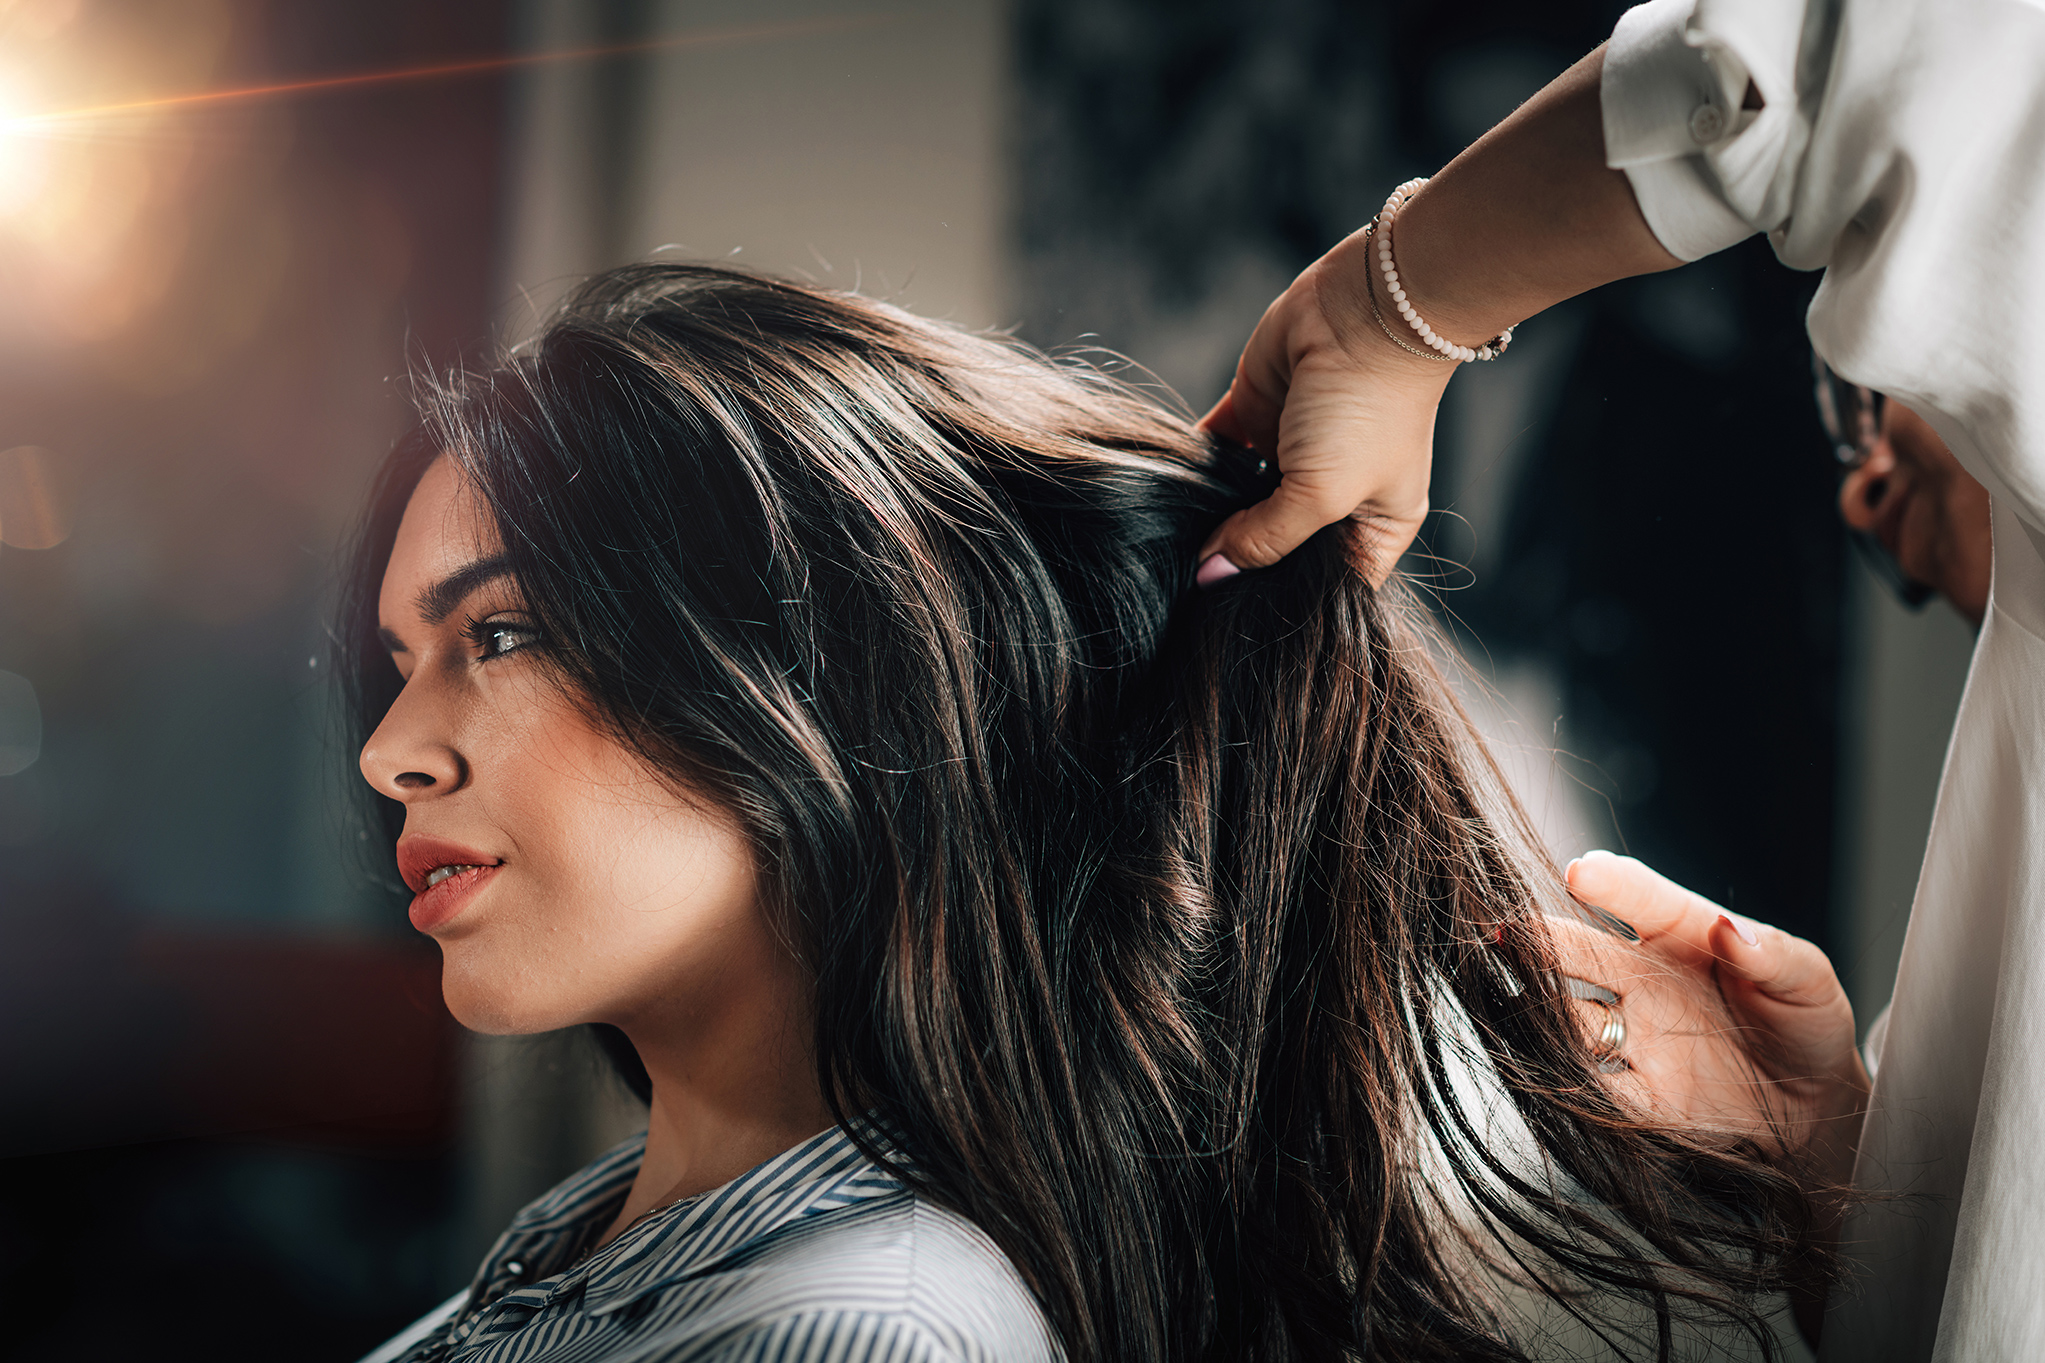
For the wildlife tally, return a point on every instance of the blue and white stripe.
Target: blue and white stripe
(816, 1256)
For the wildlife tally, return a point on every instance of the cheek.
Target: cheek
(1955, 544)
(622, 896)
(622, 848)
(650, 879)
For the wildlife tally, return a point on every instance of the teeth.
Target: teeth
(440, 873)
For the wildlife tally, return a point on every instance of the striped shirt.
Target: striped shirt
(817, 1254)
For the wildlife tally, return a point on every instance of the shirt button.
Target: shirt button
(515, 1267)
(1707, 124)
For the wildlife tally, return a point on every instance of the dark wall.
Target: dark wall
(1673, 550)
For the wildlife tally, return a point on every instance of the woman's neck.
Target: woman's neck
(734, 1084)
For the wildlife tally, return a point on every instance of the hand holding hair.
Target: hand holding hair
(1348, 419)
(1344, 399)
(1733, 1025)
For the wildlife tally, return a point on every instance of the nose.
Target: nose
(411, 756)
(1869, 487)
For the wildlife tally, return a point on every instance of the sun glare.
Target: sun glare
(116, 174)
(23, 155)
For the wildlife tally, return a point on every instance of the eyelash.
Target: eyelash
(482, 633)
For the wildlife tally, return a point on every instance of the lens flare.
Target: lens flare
(23, 157)
(471, 66)
(116, 175)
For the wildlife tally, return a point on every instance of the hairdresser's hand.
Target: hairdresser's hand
(1347, 416)
(1726, 1034)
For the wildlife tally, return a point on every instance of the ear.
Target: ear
(1868, 487)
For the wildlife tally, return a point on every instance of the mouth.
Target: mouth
(449, 888)
(443, 876)
(426, 862)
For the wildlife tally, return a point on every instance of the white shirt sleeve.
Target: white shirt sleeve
(1901, 149)
(1663, 104)
(1871, 1049)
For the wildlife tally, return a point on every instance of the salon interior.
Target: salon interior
(229, 229)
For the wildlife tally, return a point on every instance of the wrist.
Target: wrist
(1387, 283)
(1430, 259)
(1343, 280)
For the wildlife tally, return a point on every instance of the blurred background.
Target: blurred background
(234, 1118)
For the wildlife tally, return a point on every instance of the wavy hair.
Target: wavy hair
(1165, 928)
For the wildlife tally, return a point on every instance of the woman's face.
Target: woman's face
(583, 888)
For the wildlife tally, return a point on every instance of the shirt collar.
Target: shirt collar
(823, 1174)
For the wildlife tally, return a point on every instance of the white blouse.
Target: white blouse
(1901, 150)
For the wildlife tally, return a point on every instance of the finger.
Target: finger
(1664, 994)
(1258, 536)
(1587, 952)
(1647, 901)
(1248, 412)
(1782, 967)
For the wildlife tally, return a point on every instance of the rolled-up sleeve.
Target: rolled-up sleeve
(1896, 147)
(1706, 172)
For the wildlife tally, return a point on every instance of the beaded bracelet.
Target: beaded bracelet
(1380, 227)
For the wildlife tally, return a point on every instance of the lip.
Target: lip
(432, 906)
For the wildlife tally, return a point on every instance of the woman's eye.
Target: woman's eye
(495, 638)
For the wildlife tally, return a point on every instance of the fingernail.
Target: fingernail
(1746, 933)
(1213, 569)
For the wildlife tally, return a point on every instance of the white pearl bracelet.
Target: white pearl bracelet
(1381, 228)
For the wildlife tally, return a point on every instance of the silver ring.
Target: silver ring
(1612, 1036)
(1611, 1039)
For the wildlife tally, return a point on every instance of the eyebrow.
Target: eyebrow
(438, 601)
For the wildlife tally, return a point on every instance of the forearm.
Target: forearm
(1331, 383)
(1527, 216)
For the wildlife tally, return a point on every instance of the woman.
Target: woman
(1025, 954)
(1894, 145)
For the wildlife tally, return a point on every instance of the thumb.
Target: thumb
(1784, 968)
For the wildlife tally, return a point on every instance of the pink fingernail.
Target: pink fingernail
(1214, 569)
(1746, 933)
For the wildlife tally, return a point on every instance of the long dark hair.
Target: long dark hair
(1164, 929)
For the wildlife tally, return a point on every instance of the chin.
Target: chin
(493, 1003)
